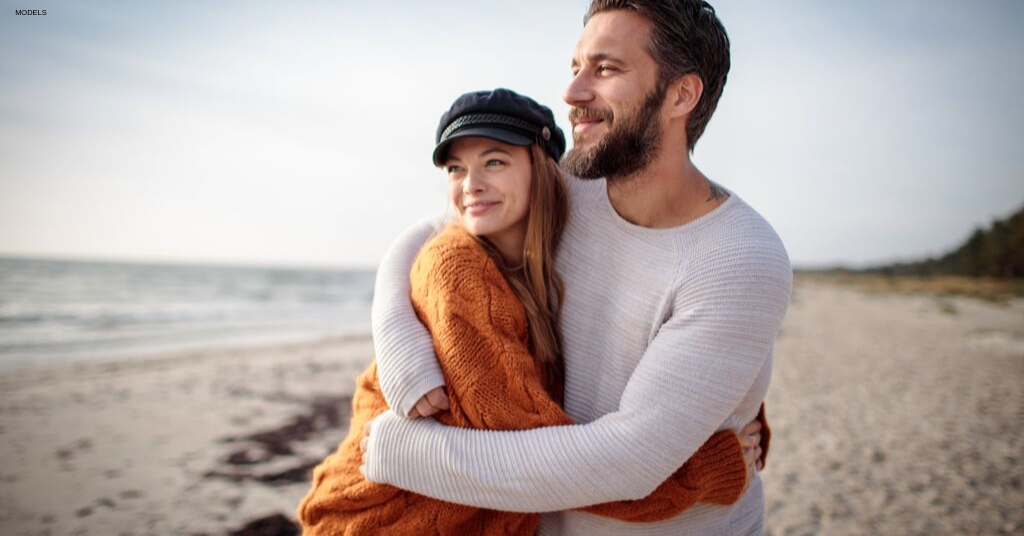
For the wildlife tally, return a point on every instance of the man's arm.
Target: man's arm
(406, 364)
(480, 333)
(692, 376)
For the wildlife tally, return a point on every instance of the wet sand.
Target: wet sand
(198, 444)
(891, 415)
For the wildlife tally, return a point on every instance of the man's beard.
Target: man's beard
(625, 149)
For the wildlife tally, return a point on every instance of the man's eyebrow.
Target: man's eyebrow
(598, 57)
(604, 56)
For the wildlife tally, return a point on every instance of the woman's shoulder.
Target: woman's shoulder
(455, 259)
(454, 247)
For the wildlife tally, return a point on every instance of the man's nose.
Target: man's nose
(579, 90)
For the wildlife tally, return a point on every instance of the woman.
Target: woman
(487, 290)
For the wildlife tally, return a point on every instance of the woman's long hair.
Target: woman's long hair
(535, 282)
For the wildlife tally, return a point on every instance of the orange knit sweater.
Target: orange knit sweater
(480, 336)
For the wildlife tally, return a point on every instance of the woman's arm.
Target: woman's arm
(406, 365)
(697, 369)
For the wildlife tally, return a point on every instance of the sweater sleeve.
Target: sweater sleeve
(406, 365)
(480, 337)
(696, 370)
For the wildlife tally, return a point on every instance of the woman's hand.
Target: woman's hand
(750, 440)
(434, 401)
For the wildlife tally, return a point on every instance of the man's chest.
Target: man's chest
(618, 293)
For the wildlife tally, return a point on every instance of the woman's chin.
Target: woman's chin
(477, 228)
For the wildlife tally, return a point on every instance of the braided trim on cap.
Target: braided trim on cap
(490, 119)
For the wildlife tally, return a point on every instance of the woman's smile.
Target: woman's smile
(479, 208)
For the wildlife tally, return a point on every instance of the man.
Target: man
(674, 292)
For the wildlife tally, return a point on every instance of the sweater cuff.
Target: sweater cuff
(381, 439)
(424, 381)
(721, 469)
(396, 436)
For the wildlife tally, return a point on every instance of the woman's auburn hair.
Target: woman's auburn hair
(535, 282)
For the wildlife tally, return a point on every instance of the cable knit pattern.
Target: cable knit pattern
(480, 334)
(667, 337)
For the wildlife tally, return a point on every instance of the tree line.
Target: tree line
(997, 251)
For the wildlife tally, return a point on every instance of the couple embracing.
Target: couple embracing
(579, 349)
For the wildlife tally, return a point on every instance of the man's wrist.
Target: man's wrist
(376, 445)
(390, 437)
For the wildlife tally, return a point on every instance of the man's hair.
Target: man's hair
(686, 37)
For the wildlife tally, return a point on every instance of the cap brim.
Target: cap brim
(500, 134)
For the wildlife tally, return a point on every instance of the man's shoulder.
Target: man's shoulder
(739, 238)
(745, 224)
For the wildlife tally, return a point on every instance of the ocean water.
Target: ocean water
(62, 311)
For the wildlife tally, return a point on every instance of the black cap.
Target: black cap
(502, 115)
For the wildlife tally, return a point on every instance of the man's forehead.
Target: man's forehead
(612, 36)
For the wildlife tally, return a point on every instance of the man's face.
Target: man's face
(615, 100)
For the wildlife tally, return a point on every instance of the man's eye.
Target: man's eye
(605, 68)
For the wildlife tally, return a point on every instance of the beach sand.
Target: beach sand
(896, 415)
(184, 445)
(891, 415)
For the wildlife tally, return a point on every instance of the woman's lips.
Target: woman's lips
(479, 208)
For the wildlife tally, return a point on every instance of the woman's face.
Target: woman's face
(489, 187)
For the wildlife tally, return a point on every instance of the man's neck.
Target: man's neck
(668, 192)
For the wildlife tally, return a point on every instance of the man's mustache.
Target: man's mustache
(576, 113)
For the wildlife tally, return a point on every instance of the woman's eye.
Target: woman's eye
(452, 169)
(495, 162)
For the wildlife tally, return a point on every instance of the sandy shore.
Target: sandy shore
(896, 415)
(195, 444)
(892, 415)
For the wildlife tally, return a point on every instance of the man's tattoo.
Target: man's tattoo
(717, 192)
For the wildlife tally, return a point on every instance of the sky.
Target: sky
(300, 133)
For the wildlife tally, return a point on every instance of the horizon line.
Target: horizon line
(212, 263)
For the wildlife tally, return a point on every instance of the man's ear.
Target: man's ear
(683, 94)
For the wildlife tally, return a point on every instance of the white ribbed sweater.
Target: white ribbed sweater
(667, 337)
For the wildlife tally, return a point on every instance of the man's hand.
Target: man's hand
(750, 440)
(434, 401)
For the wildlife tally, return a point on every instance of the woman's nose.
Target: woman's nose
(474, 182)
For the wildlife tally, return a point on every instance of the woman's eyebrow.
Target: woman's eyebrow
(494, 150)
